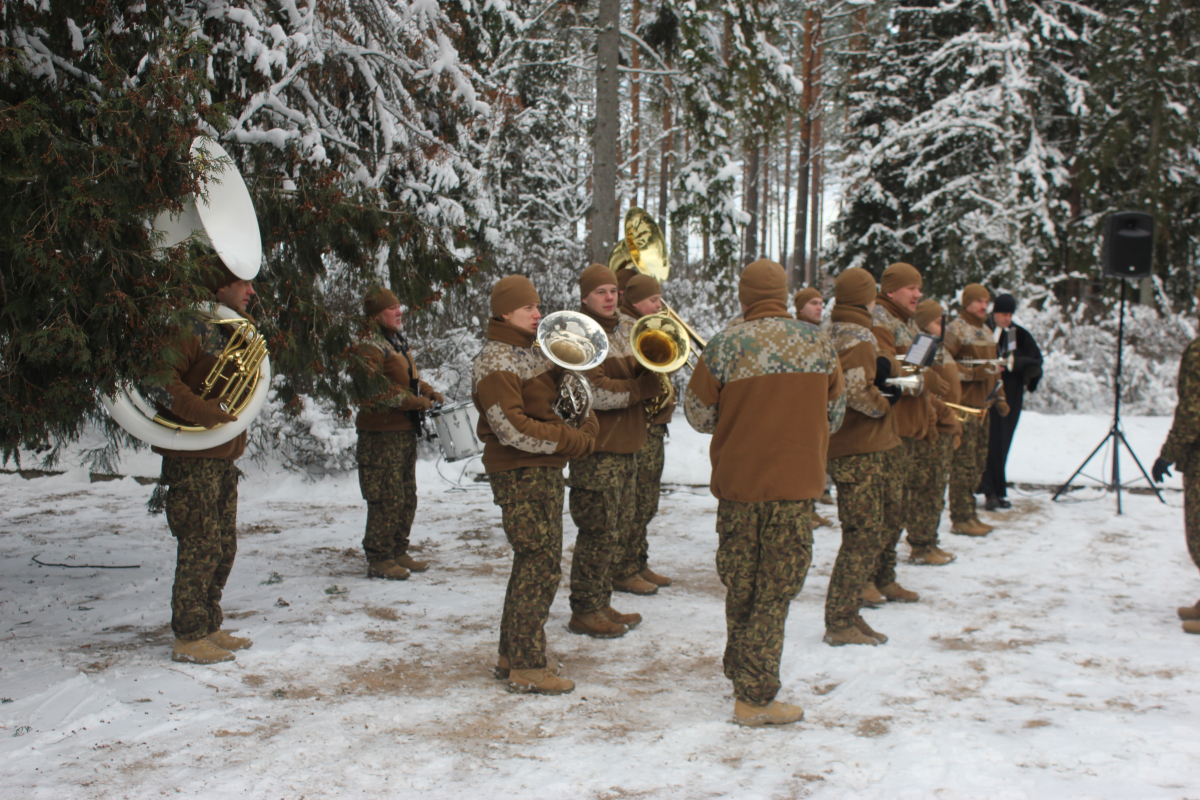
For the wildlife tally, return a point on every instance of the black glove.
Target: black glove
(883, 371)
(1033, 374)
(1160, 470)
(892, 393)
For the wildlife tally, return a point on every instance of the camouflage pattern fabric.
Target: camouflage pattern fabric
(647, 488)
(387, 476)
(896, 465)
(859, 480)
(202, 515)
(601, 502)
(966, 468)
(213, 339)
(763, 556)
(1183, 440)
(531, 502)
(1191, 514)
(927, 489)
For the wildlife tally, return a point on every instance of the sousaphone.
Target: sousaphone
(223, 217)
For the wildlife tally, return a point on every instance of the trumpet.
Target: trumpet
(577, 343)
(660, 344)
(1006, 362)
(910, 383)
(965, 413)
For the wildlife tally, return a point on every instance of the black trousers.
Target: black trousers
(994, 481)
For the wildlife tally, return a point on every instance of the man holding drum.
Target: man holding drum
(526, 445)
(387, 423)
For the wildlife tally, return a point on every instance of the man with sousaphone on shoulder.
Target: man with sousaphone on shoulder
(388, 423)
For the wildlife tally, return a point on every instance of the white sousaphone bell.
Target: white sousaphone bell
(223, 217)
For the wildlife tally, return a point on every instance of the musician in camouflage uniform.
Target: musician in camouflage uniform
(603, 492)
(895, 330)
(389, 417)
(810, 307)
(856, 457)
(201, 487)
(1182, 448)
(525, 446)
(770, 390)
(969, 340)
(641, 297)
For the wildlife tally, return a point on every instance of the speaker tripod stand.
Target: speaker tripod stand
(1115, 434)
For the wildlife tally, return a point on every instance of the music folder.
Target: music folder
(922, 351)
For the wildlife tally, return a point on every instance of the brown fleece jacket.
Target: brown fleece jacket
(894, 332)
(387, 413)
(629, 316)
(514, 388)
(969, 339)
(200, 347)
(947, 419)
(770, 390)
(619, 385)
(869, 426)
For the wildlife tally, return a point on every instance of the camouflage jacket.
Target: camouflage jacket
(388, 356)
(869, 426)
(770, 390)
(968, 339)
(1183, 440)
(895, 330)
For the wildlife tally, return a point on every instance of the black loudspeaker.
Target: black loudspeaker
(1128, 248)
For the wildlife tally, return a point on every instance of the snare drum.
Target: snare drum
(456, 425)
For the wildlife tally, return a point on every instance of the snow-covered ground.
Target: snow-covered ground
(1045, 662)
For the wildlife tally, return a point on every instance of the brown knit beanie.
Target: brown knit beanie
(927, 312)
(594, 277)
(624, 276)
(217, 275)
(899, 275)
(973, 292)
(512, 292)
(641, 287)
(854, 287)
(762, 280)
(377, 299)
(804, 296)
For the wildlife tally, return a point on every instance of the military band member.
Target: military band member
(895, 330)
(856, 457)
(810, 307)
(968, 339)
(770, 391)
(388, 424)
(526, 445)
(201, 486)
(603, 497)
(931, 462)
(643, 296)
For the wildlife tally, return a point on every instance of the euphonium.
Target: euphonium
(577, 343)
(660, 344)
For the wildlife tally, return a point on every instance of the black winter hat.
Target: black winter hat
(1005, 304)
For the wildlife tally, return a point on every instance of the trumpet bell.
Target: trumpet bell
(911, 383)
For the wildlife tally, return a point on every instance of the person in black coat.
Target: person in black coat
(1024, 376)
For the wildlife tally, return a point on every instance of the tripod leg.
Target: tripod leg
(1149, 480)
(1075, 474)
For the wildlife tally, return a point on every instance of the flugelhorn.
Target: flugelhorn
(660, 344)
(577, 343)
(223, 217)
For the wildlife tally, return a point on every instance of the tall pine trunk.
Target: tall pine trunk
(608, 129)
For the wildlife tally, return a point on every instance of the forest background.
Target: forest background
(437, 146)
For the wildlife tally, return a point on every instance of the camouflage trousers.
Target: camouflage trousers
(897, 464)
(387, 476)
(202, 515)
(927, 489)
(966, 468)
(531, 502)
(859, 480)
(647, 488)
(763, 556)
(601, 502)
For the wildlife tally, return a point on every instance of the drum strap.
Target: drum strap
(396, 340)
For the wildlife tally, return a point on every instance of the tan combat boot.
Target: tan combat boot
(850, 634)
(1189, 613)
(650, 576)
(820, 522)
(863, 627)
(895, 593)
(981, 524)
(597, 625)
(930, 555)
(538, 681)
(634, 584)
(504, 666)
(1192, 626)
(969, 528)
(227, 641)
(773, 713)
(387, 570)
(871, 596)
(630, 621)
(411, 564)
(199, 651)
